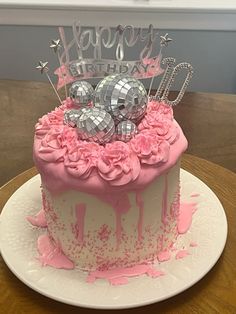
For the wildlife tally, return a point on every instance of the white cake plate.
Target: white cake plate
(18, 248)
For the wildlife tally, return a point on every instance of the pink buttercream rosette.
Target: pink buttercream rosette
(118, 164)
(52, 119)
(149, 148)
(82, 159)
(161, 108)
(161, 127)
(56, 143)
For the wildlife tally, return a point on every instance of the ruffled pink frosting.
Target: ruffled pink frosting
(117, 163)
(82, 158)
(149, 148)
(52, 119)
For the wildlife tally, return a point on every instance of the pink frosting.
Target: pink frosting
(45, 123)
(80, 215)
(39, 220)
(164, 201)
(121, 204)
(163, 256)
(181, 254)
(150, 149)
(116, 166)
(81, 159)
(140, 203)
(161, 108)
(186, 212)
(193, 244)
(120, 276)
(51, 254)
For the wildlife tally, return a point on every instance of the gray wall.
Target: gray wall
(212, 53)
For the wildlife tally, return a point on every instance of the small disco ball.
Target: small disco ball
(125, 130)
(81, 93)
(71, 116)
(95, 125)
(124, 97)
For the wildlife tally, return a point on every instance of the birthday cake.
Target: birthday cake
(109, 161)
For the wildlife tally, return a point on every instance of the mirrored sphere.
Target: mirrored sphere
(81, 93)
(71, 116)
(125, 130)
(124, 97)
(95, 125)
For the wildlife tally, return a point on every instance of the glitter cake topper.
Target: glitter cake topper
(99, 38)
(123, 37)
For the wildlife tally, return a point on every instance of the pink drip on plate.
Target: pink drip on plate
(186, 212)
(120, 276)
(181, 254)
(38, 220)
(163, 256)
(51, 254)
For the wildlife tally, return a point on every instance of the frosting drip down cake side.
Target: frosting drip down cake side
(134, 229)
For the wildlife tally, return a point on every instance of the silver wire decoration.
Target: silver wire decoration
(43, 68)
(164, 41)
(169, 62)
(169, 78)
(56, 45)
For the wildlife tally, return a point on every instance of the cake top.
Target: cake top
(116, 135)
(156, 147)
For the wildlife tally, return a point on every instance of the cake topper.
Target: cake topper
(56, 45)
(168, 79)
(165, 40)
(95, 125)
(126, 130)
(123, 96)
(119, 98)
(82, 93)
(44, 69)
(71, 116)
(100, 38)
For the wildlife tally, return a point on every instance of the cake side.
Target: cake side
(115, 231)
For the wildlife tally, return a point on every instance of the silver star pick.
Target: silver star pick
(42, 67)
(55, 45)
(165, 40)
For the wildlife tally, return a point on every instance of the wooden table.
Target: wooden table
(215, 293)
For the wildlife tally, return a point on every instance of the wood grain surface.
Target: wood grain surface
(215, 293)
(208, 120)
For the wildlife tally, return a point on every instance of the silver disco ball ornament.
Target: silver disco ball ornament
(124, 97)
(81, 93)
(95, 125)
(125, 130)
(71, 117)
